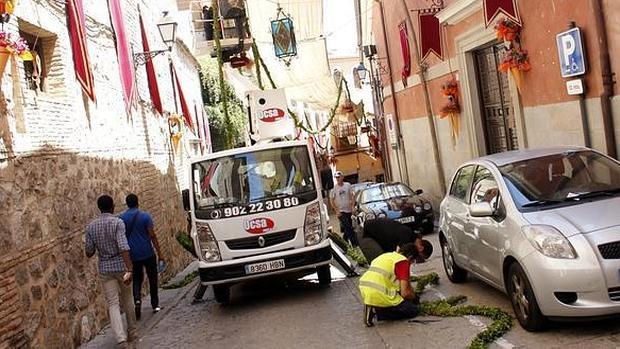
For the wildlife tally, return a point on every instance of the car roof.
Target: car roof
(509, 157)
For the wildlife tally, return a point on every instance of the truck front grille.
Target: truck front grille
(270, 240)
(610, 250)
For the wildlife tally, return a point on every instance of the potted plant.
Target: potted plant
(516, 61)
(11, 45)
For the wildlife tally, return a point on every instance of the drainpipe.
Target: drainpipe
(608, 79)
(427, 99)
(394, 100)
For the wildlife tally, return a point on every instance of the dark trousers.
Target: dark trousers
(346, 227)
(405, 310)
(150, 264)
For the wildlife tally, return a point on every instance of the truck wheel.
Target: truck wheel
(325, 275)
(222, 294)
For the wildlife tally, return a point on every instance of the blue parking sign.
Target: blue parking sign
(572, 53)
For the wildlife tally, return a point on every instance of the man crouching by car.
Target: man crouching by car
(386, 287)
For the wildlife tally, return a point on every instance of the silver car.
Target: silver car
(542, 226)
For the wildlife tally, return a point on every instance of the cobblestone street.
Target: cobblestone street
(301, 314)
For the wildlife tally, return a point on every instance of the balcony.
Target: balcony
(233, 23)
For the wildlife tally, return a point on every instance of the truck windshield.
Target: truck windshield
(243, 179)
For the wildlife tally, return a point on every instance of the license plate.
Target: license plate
(406, 220)
(264, 266)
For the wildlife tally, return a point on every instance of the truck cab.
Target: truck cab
(258, 211)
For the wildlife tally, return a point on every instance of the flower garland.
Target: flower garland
(11, 46)
(515, 59)
(449, 307)
(452, 109)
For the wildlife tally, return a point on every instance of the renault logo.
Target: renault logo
(261, 241)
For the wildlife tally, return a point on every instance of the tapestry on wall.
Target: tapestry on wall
(150, 73)
(493, 8)
(404, 45)
(187, 116)
(430, 34)
(123, 53)
(77, 36)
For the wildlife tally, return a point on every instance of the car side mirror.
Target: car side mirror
(327, 179)
(186, 205)
(419, 192)
(481, 209)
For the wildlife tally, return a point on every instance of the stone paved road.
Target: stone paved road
(301, 315)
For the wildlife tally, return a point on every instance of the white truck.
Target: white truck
(258, 211)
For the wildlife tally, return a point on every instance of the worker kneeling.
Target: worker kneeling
(386, 287)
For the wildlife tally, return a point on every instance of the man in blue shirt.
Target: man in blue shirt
(141, 238)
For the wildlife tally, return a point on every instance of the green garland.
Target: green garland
(355, 253)
(217, 33)
(502, 321)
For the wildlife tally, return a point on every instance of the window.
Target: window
(462, 181)
(484, 188)
(35, 70)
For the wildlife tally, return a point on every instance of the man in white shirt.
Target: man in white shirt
(342, 202)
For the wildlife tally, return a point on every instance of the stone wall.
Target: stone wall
(59, 151)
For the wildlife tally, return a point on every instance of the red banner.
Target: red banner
(150, 73)
(77, 35)
(493, 8)
(430, 35)
(404, 45)
(125, 61)
(184, 107)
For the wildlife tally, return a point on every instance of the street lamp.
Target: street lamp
(361, 71)
(168, 30)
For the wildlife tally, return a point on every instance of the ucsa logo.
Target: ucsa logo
(258, 225)
(271, 115)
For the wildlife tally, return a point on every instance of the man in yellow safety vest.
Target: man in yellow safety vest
(386, 288)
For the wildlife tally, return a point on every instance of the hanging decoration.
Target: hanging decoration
(12, 46)
(77, 36)
(150, 72)
(123, 53)
(404, 46)
(515, 59)
(430, 33)
(175, 124)
(184, 106)
(508, 8)
(451, 109)
(283, 34)
(7, 7)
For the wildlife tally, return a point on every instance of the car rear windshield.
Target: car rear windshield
(385, 192)
(564, 178)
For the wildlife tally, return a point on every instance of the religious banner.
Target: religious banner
(150, 73)
(493, 8)
(404, 45)
(123, 52)
(430, 34)
(77, 36)
(187, 116)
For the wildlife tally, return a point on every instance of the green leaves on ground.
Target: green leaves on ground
(186, 280)
(187, 243)
(502, 321)
(355, 253)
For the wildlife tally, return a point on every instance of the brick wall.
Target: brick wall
(59, 151)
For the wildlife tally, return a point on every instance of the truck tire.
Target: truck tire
(325, 275)
(222, 294)
(370, 248)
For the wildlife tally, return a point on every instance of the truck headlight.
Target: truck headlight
(312, 225)
(549, 241)
(209, 250)
(418, 209)
(427, 206)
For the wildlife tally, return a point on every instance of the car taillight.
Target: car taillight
(312, 225)
(209, 250)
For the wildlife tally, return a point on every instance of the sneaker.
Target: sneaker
(369, 316)
(156, 309)
(138, 310)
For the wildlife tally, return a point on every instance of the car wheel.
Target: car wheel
(455, 273)
(523, 300)
(325, 275)
(222, 294)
